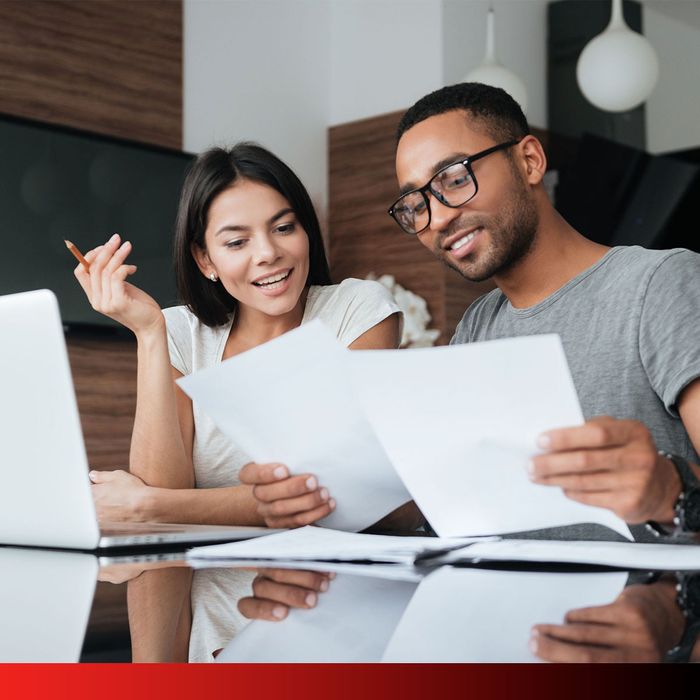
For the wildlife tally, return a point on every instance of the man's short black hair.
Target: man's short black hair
(494, 109)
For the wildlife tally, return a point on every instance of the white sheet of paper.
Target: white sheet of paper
(627, 555)
(319, 544)
(471, 615)
(291, 401)
(460, 423)
(352, 622)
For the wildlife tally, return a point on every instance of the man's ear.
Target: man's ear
(533, 159)
(201, 257)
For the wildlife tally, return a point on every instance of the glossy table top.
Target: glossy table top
(65, 606)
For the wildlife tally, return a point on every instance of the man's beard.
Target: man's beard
(512, 233)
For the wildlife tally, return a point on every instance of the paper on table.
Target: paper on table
(352, 622)
(291, 401)
(460, 423)
(319, 544)
(467, 615)
(627, 555)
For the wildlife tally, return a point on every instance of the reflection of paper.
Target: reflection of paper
(464, 615)
(625, 555)
(460, 423)
(290, 401)
(45, 601)
(322, 544)
(352, 622)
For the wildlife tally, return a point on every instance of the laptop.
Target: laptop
(45, 499)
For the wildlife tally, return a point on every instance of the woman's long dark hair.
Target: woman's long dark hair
(213, 172)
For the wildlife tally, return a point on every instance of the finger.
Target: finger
(101, 477)
(254, 474)
(291, 506)
(313, 580)
(599, 432)
(611, 500)
(575, 462)
(122, 273)
(600, 614)
(118, 258)
(258, 609)
(301, 519)
(96, 268)
(552, 649)
(595, 482)
(298, 485)
(285, 593)
(584, 633)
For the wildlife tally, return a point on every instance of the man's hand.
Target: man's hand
(275, 591)
(284, 500)
(612, 464)
(119, 496)
(641, 625)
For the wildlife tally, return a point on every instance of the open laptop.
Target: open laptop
(45, 498)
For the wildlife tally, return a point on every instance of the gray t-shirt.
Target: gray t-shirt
(630, 327)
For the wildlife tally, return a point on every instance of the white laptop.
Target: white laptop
(45, 497)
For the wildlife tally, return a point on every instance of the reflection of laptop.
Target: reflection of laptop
(45, 497)
(45, 602)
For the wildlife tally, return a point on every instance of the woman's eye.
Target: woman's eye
(235, 244)
(286, 228)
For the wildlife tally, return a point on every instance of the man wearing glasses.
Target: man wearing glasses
(470, 175)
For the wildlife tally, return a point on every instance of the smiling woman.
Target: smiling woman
(250, 266)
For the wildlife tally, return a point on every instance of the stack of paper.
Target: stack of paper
(316, 544)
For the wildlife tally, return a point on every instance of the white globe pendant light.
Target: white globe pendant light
(618, 69)
(491, 72)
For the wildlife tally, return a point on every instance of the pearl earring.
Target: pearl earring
(213, 277)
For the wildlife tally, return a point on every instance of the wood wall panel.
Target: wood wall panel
(104, 374)
(113, 67)
(364, 238)
(108, 66)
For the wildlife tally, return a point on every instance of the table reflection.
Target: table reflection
(395, 614)
(352, 613)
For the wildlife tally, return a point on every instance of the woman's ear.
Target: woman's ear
(201, 257)
(533, 159)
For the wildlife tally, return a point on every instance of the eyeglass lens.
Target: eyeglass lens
(452, 186)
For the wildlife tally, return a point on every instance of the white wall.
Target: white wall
(259, 70)
(673, 109)
(385, 54)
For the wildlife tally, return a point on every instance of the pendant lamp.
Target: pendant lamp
(491, 72)
(618, 69)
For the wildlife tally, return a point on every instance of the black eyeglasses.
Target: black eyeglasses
(453, 186)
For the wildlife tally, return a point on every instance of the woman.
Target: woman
(250, 265)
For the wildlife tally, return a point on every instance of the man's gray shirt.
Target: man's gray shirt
(630, 327)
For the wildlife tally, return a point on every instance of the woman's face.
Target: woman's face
(256, 247)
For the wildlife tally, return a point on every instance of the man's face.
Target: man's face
(493, 230)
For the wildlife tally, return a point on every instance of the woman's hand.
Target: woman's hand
(275, 591)
(284, 500)
(108, 291)
(120, 496)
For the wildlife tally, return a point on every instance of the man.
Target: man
(470, 175)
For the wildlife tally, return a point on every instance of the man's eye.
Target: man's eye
(456, 181)
(419, 207)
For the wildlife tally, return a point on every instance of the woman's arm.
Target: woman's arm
(159, 454)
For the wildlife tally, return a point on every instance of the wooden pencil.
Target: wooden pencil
(78, 255)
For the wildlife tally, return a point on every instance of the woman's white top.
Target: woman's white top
(349, 309)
